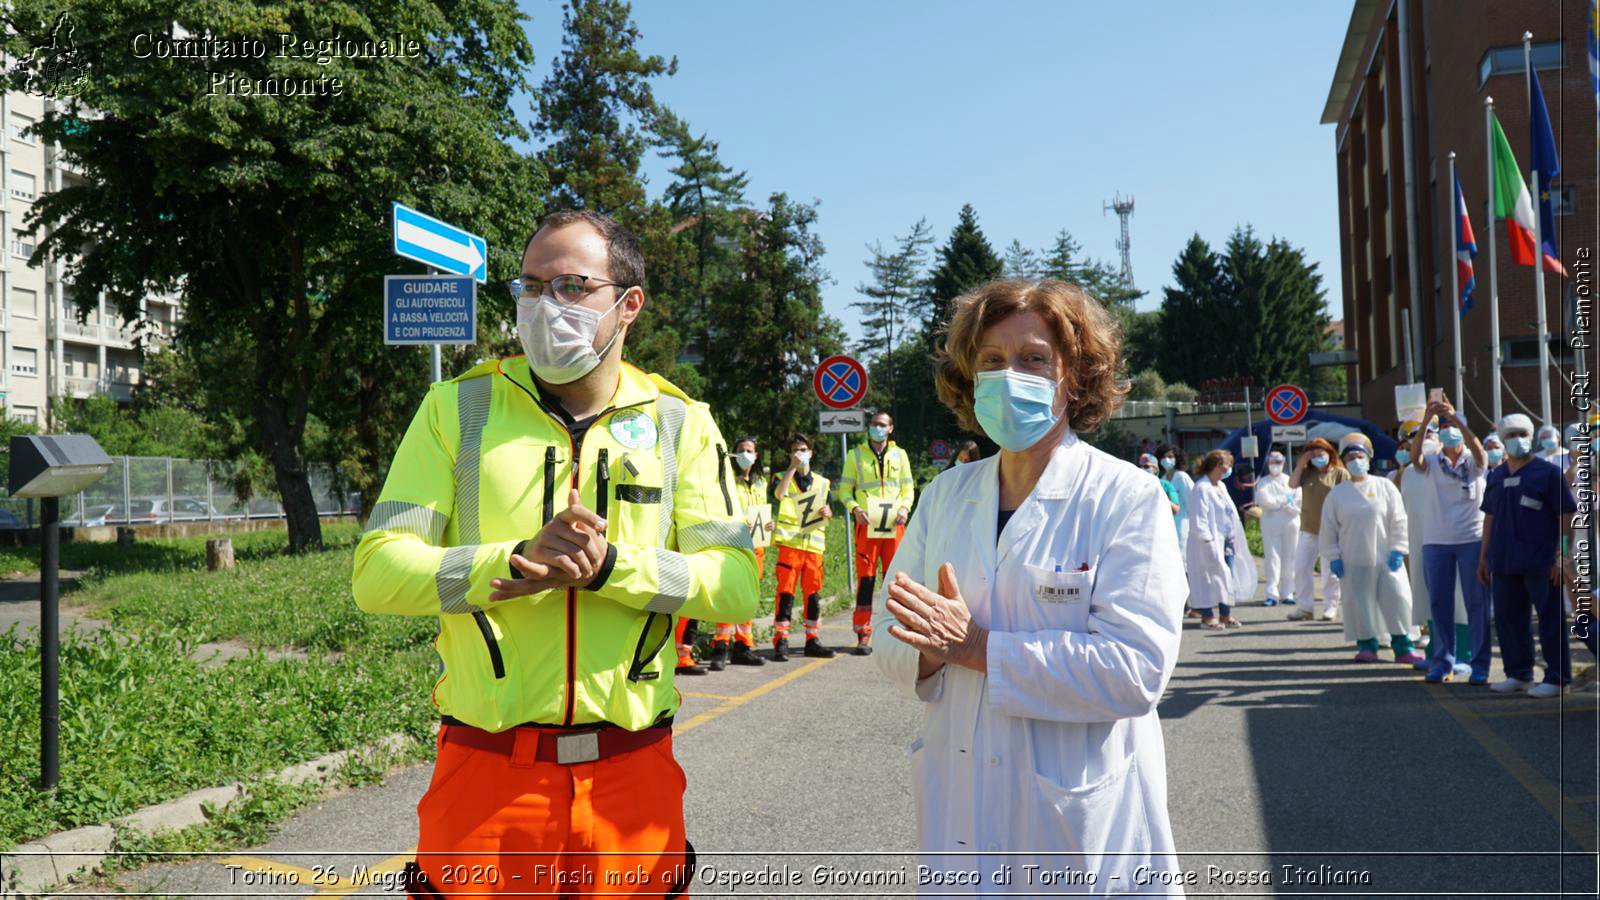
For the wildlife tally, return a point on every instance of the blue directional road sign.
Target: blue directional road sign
(429, 309)
(439, 244)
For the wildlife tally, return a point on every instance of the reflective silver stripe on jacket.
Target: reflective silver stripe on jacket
(672, 581)
(472, 412)
(716, 533)
(454, 578)
(407, 518)
(672, 411)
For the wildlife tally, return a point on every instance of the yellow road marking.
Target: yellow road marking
(1567, 709)
(347, 884)
(271, 867)
(712, 696)
(1592, 798)
(1540, 788)
(747, 696)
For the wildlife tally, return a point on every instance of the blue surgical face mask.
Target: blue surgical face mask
(1357, 466)
(1402, 457)
(1548, 443)
(1519, 447)
(1227, 472)
(1168, 463)
(1496, 456)
(1015, 409)
(878, 433)
(1320, 460)
(1450, 437)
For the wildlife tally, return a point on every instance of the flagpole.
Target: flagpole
(1538, 249)
(1455, 281)
(1494, 278)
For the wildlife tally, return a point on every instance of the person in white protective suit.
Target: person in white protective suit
(1363, 533)
(1280, 529)
(1034, 609)
(1221, 572)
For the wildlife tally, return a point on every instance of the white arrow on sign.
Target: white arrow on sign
(465, 253)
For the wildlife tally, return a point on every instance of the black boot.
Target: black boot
(744, 656)
(780, 650)
(814, 648)
(719, 656)
(863, 646)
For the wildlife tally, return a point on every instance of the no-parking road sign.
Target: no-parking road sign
(840, 382)
(1287, 404)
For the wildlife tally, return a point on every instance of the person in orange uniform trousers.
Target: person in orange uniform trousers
(802, 539)
(555, 773)
(876, 482)
(734, 645)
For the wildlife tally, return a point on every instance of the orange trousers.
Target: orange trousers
(497, 824)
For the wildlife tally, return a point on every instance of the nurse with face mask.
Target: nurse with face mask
(1280, 528)
(1364, 535)
(1034, 610)
(1316, 472)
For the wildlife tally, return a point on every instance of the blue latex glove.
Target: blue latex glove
(1396, 559)
(1337, 567)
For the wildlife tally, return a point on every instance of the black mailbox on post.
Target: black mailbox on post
(49, 467)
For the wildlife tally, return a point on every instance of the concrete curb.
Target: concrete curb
(32, 869)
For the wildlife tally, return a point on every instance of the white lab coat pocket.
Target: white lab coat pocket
(1101, 827)
(1059, 599)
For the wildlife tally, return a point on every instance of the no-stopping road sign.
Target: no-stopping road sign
(1287, 404)
(840, 382)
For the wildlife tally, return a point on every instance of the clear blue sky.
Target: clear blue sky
(887, 111)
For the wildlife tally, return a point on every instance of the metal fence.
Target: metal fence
(149, 490)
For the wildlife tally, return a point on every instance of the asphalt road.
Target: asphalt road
(1282, 752)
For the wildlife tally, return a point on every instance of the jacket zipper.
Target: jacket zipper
(549, 484)
(487, 630)
(722, 476)
(603, 486)
(572, 601)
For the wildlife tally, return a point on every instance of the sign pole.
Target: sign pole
(49, 643)
(850, 524)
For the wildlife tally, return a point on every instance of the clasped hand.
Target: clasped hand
(938, 623)
(568, 552)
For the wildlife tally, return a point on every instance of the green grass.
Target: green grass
(166, 554)
(142, 723)
(1252, 535)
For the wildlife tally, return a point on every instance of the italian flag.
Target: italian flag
(1513, 203)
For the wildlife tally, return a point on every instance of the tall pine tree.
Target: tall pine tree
(965, 261)
(595, 108)
(1192, 341)
(1020, 261)
(891, 301)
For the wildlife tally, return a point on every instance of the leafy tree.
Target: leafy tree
(133, 430)
(1141, 338)
(1193, 347)
(1020, 261)
(1147, 385)
(1178, 392)
(777, 332)
(595, 106)
(270, 214)
(892, 299)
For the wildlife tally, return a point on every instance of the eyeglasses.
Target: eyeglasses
(563, 288)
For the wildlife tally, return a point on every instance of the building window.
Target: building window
(21, 244)
(22, 185)
(1524, 351)
(19, 126)
(1506, 60)
(24, 361)
(25, 302)
(29, 414)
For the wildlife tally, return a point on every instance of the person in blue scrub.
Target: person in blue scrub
(1526, 503)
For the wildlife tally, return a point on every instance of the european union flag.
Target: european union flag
(1544, 162)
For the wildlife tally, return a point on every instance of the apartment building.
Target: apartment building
(47, 349)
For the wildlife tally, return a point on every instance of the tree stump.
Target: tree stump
(219, 554)
(124, 536)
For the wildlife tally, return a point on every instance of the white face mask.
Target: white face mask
(1275, 468)
(745, 459)
(559, 338)
(802, 458)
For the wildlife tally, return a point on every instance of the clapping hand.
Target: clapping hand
(937, 623)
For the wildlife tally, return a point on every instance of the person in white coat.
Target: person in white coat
(1034, 610)
(1363, 533)
(1280, 529)
(1214, 542)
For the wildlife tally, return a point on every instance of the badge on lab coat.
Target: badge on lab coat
(880, 517)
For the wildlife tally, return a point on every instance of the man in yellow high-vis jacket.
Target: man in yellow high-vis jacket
(557, 512)
(877, 490)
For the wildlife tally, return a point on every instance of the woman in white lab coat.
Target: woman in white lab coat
(1215, 540)
(1280, 528)
(1033, 607)
(1363, 535)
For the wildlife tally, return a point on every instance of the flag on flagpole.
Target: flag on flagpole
(1466, 249)
(1512, 201)
(1547, 166)
(1594, 52)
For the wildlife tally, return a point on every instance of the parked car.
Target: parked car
(180, 509)
(9, 519)
(263, 508)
